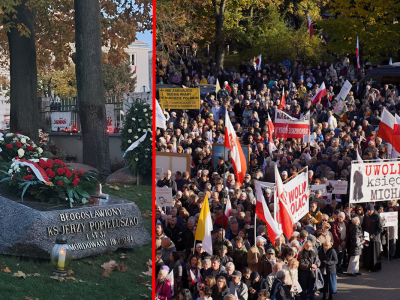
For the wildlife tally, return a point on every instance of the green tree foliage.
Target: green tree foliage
(137, 122)
(275, 40)
(371, 20)
(118, 78)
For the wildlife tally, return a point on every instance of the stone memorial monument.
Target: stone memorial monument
(29, 228)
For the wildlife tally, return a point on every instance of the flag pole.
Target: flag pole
(223, 203)
(255, 234)
(194, 246)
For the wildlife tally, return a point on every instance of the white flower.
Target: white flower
(40, 150)
(151, 108)
(140, 120)
(1, 139)
(23, 141)
(9, 134)
(139, 129)
(10, 171)
(135, 108)
(129, 130)
(129, 141)
(149, 129)
(21, 152)
(144, 110)
(133, 119)
(146, 115)
(151, 139)
(144, 130)
(145, 156)
(136, 159)
(136, 137)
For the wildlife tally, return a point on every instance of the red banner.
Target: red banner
(287, 127)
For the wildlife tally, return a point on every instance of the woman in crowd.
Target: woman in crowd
(308, 263)
(356, 242)
(220, 289)
(163, 286)
(176, 266)
(185, 295)
(329, 259)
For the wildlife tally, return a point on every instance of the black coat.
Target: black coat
(282, 291)
(219, 295)
(356, 239)
(373, 225)
(331, 259)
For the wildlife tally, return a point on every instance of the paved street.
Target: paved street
(383, 285)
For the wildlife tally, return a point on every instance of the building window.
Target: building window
(133, 59)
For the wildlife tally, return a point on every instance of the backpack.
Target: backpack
(273, 297)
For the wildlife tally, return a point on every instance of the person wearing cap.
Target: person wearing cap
(221, 167)
(267, 263)
(236, 286)
(256, 253)
(372, 224)
(205, 165)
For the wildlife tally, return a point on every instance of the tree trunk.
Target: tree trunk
(89, 77)
(24, 106)
(219, 15)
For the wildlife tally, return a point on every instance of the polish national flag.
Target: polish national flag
(359, 159)
(199, 278)
(194, 279)
(228, 207)
(271, 128)
(396, 134)
(309, 26)
(358, 56)
(318, 96)
(258, 62)
(232, 142)
(265, 215)
(285, 215)
(386, 127)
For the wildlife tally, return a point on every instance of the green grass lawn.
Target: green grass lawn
(119, 285)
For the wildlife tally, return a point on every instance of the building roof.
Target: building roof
(138, 43)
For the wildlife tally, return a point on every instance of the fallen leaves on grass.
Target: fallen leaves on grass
(19, 274)
(6, 270)
(70, 272)
(149, 272)
(144, 296)
(114, 187)
(149, 263)
(58, 278)
(123, 256)
(140, 195)
(89, 262)
(144, 282)
(147, 214)
(70, 278)
(36, 275)
(111, 266)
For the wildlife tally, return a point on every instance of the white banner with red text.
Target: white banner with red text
(297, 199)
(287, 127)
(61, 120)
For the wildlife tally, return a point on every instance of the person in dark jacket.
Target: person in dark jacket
(372, 224)
(327, 256)
(308, 263)
(279, 288)
(257, 284)
(220, 289)
(356, 242)
(216, 269)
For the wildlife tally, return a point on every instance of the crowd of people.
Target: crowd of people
(329, 241)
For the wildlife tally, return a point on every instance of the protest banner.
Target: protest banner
(159, 173)
(287, 127)
(336, 187)
(374, 181)
(322, 187)
(344, 91)
(179, 98)
(297, 196)
(389, 218)
(164, 196)
(60, 120)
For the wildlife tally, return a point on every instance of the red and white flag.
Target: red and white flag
(285, 216)
(174, 148)
(309, 26)
(258, 62)
(358, 56)
(319, 95)
(199, 278)
(386, 126)
(228, 207)
(283, 102)
(265, 215)
(396, 135)
(232, 142)
(271, 128)
(194, 279)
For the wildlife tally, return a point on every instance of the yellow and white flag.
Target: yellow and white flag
(204, 227)
(217, 88)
